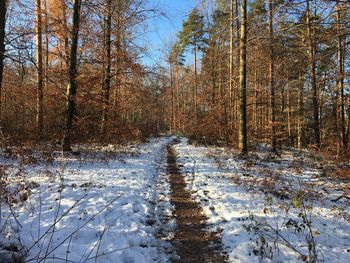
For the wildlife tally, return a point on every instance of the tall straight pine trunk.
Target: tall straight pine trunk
(107, 70)
(3, 9)
(172, 88)
(231, 68)
(243, 144)
(39, 62)
(300, 111)
(312, 63)
(195, 86)
(236, 99)
(340, 78)
(72, 81)
(272, 78)
(46, 44)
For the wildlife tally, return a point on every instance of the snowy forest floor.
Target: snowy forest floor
(132, 203)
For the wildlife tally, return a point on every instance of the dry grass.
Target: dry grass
(341, 173)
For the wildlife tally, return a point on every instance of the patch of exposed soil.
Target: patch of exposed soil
(192, 242)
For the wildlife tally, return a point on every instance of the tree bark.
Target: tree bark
(177, 83)
(3, 10)
(272, 78)
(243, 144)
(312, 62)
(231, 68)
(236, 99)
(39, 62)
(64, 63)
(289, 116)
(107, 70)
(46, 44)
(118, 59)
(195, 86)
(72, 74)
(255, 101)
(300, 111)
(65, 33)
(340, 78)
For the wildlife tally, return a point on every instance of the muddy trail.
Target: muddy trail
(192, 242)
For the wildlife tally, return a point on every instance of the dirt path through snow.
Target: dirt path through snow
(192, 242)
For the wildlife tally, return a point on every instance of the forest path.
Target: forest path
(192, 242)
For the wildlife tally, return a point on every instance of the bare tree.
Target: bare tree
(340, 78)
(3, 10)
(39, 62)
(107, 70)
(72, 82)
(312, 63)
(231, 67)
(272, 77)
(243, 144)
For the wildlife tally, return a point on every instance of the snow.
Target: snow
(100, 205)
(250, 202)
(112, 204)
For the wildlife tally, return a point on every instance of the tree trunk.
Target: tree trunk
(231, 68)
(46, 44)
(255, 106)
(243, 144)
(272, 78)
(3, 9)
(177, 83)
(289, 116)
(300, 111)
(65, 36)
(340, 78)
(236, 99)
(72, 74)
(65, 28)
(348, 129)
(39, 62)
(195, 86)
(172, 125)
(107, 70)
(312, 62)
(118, 60)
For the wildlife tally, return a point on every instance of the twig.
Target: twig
(13, 213)
(110, 252)
(70, 240)
(340, 197)
(48, 230)
(82, 226)
(287, 243)
(56, 216)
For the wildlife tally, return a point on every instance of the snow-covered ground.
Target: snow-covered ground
(112, 204)
(105, 205)
(269, 209)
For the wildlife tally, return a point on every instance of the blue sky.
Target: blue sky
(164, 29)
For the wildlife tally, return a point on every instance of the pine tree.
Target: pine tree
(340, 78)
(175, 58)
(272, 77)
(243, 144)
(231, 64)
(312, 63)
(192, 34)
